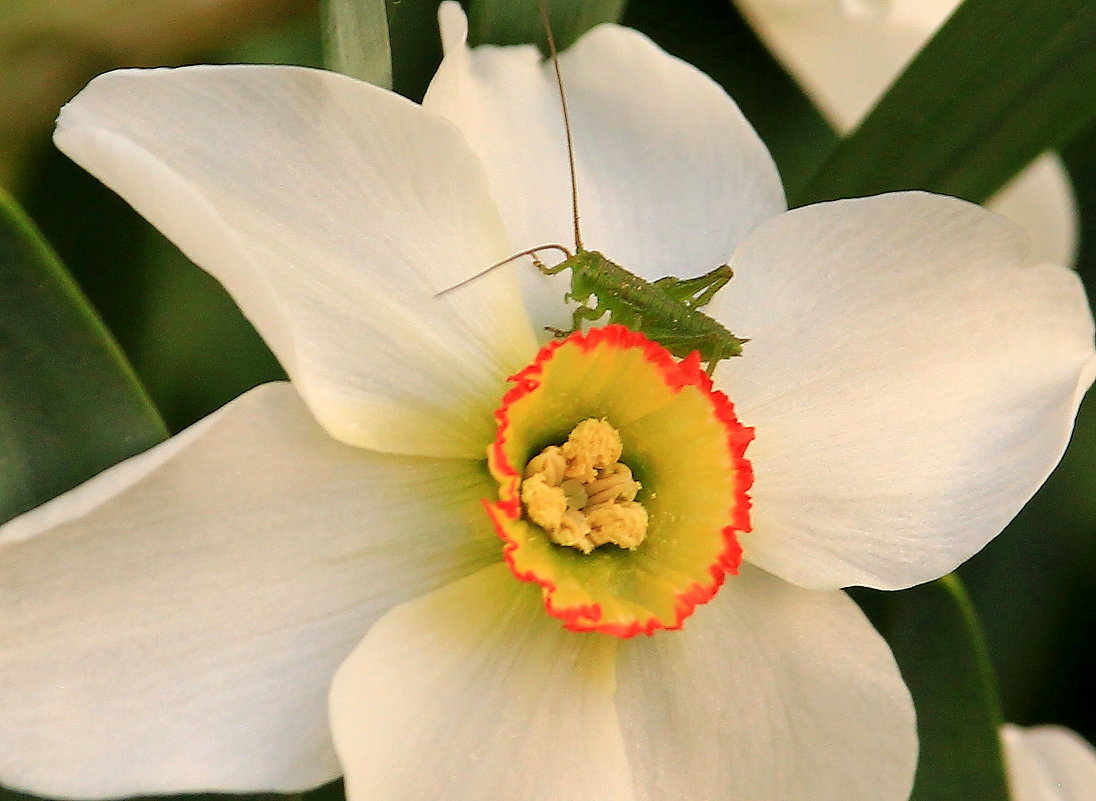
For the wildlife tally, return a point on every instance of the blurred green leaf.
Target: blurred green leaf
(193, 350)
(938, 644)
(1035, 589)
(1003, 81)
(415, 44)
(70, 405)
(506, 22)
(356, 40)
(298, 41)
(49, 49)
(1079, 156)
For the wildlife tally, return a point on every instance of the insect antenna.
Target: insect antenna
(553, 53)
(527, 252)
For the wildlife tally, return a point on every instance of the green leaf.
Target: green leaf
(356, 40)
(1080, 159)
(506, 22)
(190, 327)
(940, 650)
(415, 43)
(70, 404)
(1003, 81)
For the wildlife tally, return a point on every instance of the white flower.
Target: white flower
(846, 53)
(1048, 763)
(174, 624)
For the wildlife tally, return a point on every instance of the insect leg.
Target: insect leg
(591, 313)
(715, 356)
(717, 279)
(696, 292)
(580, 314)
(556, 267)
(711, 348)
(716, 350)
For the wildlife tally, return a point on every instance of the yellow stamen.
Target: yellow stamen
(623, 524)
(614, 483)
(581, 494)
(592, 445)
(548, 504)
(551, 463)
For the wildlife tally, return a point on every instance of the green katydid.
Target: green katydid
(666, 310)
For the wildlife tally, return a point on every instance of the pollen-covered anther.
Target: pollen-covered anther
(581, 495)
(591, 446)
(550, 463)
(623, 524)
(574, 532)
(614, 483)
(546, 505)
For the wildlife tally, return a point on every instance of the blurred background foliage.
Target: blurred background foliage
(1033, 588)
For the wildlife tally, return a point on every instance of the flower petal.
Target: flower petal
(177, 626)
(910, 384)
(1048, 763)
(473, 692)
(768, 692)
(1040, 200)
(670, 174)
(846, 54)
(332, 211)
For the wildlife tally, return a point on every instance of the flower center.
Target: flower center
(622, 482)
(581, 494)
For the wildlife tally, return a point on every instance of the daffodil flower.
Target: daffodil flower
(421, 563)
(1048, 763)
(846, 53)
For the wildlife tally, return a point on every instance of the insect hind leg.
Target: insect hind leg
(696, 292)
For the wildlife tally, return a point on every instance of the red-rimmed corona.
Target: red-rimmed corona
(678, 437)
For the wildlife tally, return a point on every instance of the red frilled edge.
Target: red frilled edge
(676, 375)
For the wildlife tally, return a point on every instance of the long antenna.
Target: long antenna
(528, 252)
(554, 54)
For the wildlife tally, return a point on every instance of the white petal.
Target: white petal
(670, 174)
(475, 693)
(769, 692)
(1049, 763)
(173, 625)
(847, 53)
(910, 383)
(1040, 200)
(332, 211)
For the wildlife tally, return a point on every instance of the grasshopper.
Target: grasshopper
(666, 310)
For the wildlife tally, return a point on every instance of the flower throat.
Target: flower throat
(581, 494)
